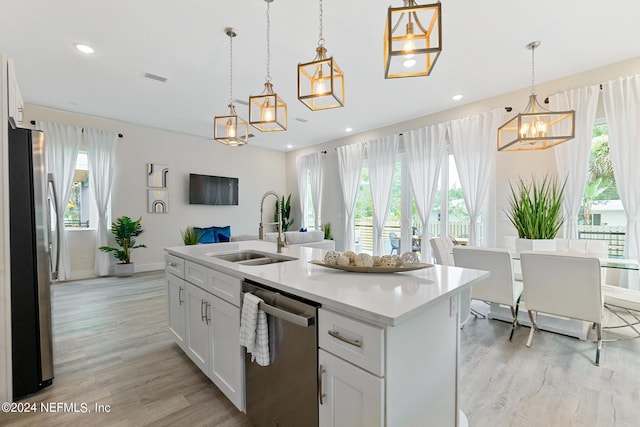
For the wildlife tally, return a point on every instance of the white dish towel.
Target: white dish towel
(254, 334)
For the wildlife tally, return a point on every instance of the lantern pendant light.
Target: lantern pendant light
(230, 129)
(536, 128)
(268, 112)
(321, 81)
(412, 39)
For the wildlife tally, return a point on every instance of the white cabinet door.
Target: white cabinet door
(351, 397)
(227, 359)
(198, 320)
(177, 308)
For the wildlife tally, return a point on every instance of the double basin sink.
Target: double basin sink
(251, 257)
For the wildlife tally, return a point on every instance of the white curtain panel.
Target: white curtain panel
(572, 157)
(316, 178)
(101, 153)
(473, 140)
(302, 170)
(350, 159)
(62, 143)
(425, 148)
(381, 156)
(622, 108)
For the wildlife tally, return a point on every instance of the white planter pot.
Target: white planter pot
(124, 270)
(548, 245)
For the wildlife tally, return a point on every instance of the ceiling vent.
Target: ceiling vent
(240, 101)
(300, 119)
(155, 77)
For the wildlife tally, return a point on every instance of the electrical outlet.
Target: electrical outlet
(85, 259)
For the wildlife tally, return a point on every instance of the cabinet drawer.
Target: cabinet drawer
(224, 286)
(174, 265)
(359, 343)
(195, 273)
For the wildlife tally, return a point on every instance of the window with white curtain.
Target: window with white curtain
(81, 211)
(311, 216)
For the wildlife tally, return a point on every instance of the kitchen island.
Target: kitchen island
(387, 343)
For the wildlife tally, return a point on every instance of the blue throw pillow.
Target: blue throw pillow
(223, 234)
(207, 235)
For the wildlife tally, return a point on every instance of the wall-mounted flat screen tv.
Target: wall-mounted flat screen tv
(212, 190)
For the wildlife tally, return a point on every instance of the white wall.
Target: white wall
(509, 165)
(258, 170)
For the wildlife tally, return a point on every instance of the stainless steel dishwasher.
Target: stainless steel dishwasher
(284, 393)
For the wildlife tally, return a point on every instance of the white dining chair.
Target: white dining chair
(500, 287)
(563, 285)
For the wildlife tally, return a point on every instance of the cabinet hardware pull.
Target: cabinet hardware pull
(337, 336)
(173, 264)
(321, 395)
(180, 300)
(206, 312)
(202, 310)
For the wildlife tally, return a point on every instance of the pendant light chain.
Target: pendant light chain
(231, 68)
(321, 37)
(268, 42)
(533, 71)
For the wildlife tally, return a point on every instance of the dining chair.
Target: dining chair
(564, 285)
(500, 287)
(395, 242)
(625, 305)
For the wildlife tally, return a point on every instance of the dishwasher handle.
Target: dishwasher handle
(287, 316)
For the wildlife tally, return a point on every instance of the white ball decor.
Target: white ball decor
(377, 261)
(397, 259)
(343, 260)
(409, 258)
(352, 257)
(331, 258)
(388, 261)
(364, 260)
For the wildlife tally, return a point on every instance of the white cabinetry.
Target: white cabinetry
(204, 317)
(15, 101)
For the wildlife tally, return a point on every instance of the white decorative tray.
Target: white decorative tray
(354, 269)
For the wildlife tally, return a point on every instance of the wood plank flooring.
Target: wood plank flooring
(112, 347)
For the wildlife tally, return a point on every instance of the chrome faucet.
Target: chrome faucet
(279, 208)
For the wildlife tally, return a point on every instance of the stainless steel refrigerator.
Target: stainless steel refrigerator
(33, 241)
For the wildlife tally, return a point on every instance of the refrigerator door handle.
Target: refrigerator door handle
(54, 272)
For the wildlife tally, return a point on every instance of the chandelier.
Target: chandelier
(412, 39)
(536, 128)
(321, 81)
(268, 112)
(230, 129)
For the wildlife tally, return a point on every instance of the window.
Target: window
(81, 211)
(311, 216)
(602, 215)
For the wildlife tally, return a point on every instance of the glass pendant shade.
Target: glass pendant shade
(230, 129)
(267, 112)
(321, 82)
(536, 128)
(412, 39)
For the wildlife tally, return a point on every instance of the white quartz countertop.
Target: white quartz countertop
(385, 299)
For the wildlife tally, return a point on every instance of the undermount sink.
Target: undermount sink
(252, 258)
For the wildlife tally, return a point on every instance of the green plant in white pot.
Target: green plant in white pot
(125, 231)
(536, 212)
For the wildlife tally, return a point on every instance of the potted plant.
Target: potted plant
(286, 212)
(536, 212)
(125, 230)
(190, 236)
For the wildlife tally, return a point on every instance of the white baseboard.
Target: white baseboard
(139, 268)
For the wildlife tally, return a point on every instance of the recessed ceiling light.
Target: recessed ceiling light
(84, 48)
(456, 97)
(289, 146)
(348, 129)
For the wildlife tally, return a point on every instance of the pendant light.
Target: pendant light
(412, 39)
(536, 128)
(268, 112)
(321, 81)
(230, 129)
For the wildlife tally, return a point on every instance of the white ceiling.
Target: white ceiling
(483, 55)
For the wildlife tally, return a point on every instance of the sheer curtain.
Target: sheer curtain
(622, 108)
(101, 152)
(381, 155)
(350, 158)
(473, 140)
(62, 143)
(302, 170)
(316, 178)
(572, 157)
(425, 149)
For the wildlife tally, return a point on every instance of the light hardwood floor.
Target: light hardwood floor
(112, 347)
